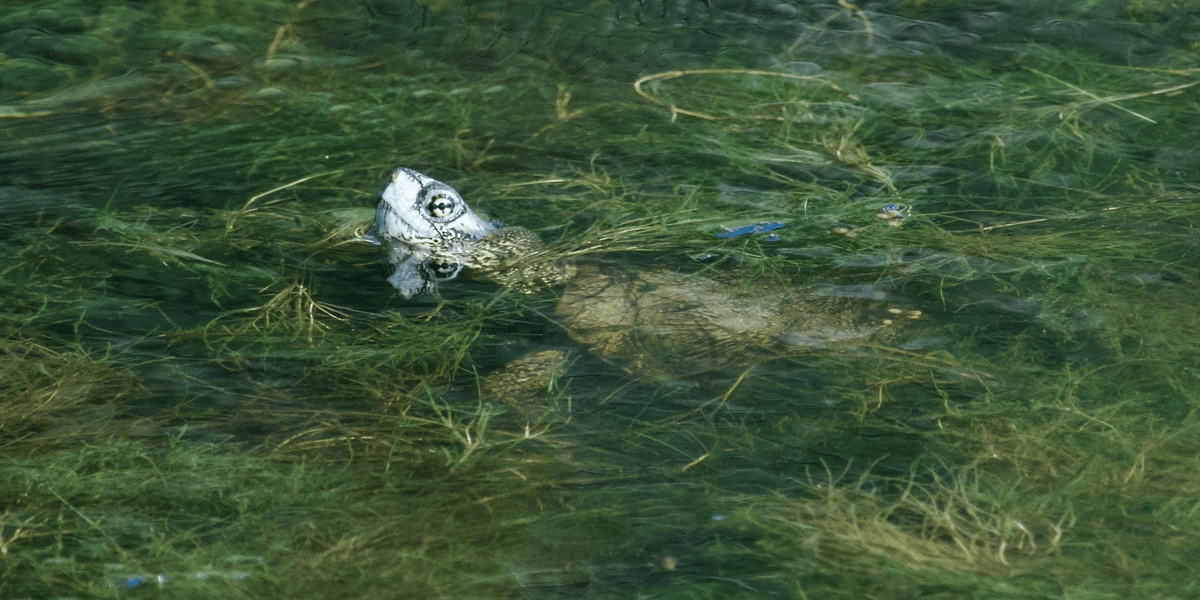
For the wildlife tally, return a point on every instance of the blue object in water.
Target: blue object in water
(732, 232)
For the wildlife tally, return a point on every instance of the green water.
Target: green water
(210, 390)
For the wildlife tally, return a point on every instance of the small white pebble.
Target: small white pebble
(267, 93)
(279, 63)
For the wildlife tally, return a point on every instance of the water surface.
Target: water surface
(211, 390)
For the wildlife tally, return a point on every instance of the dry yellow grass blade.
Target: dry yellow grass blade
(675, 110)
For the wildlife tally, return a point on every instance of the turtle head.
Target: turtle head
(426, 213)
(427, 232)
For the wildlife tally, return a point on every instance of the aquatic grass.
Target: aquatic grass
(964, 522)
(418, 433)
(364, 385)
(48, 389)
(976, 528)
(292, 310)
(813, 81)
(39, 287)
(1036, 498)
(100, 518)
(388, 344)
(211, 12)
(814, 125)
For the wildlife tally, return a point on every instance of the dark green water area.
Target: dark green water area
(209, 390)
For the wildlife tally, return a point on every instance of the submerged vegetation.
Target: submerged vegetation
(209, 389)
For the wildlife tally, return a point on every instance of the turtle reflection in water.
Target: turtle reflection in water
(653, 322)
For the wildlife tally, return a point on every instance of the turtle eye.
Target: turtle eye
(441, 206)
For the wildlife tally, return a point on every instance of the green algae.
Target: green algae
(205, 373)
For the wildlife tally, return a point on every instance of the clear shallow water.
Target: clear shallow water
(204, 367)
